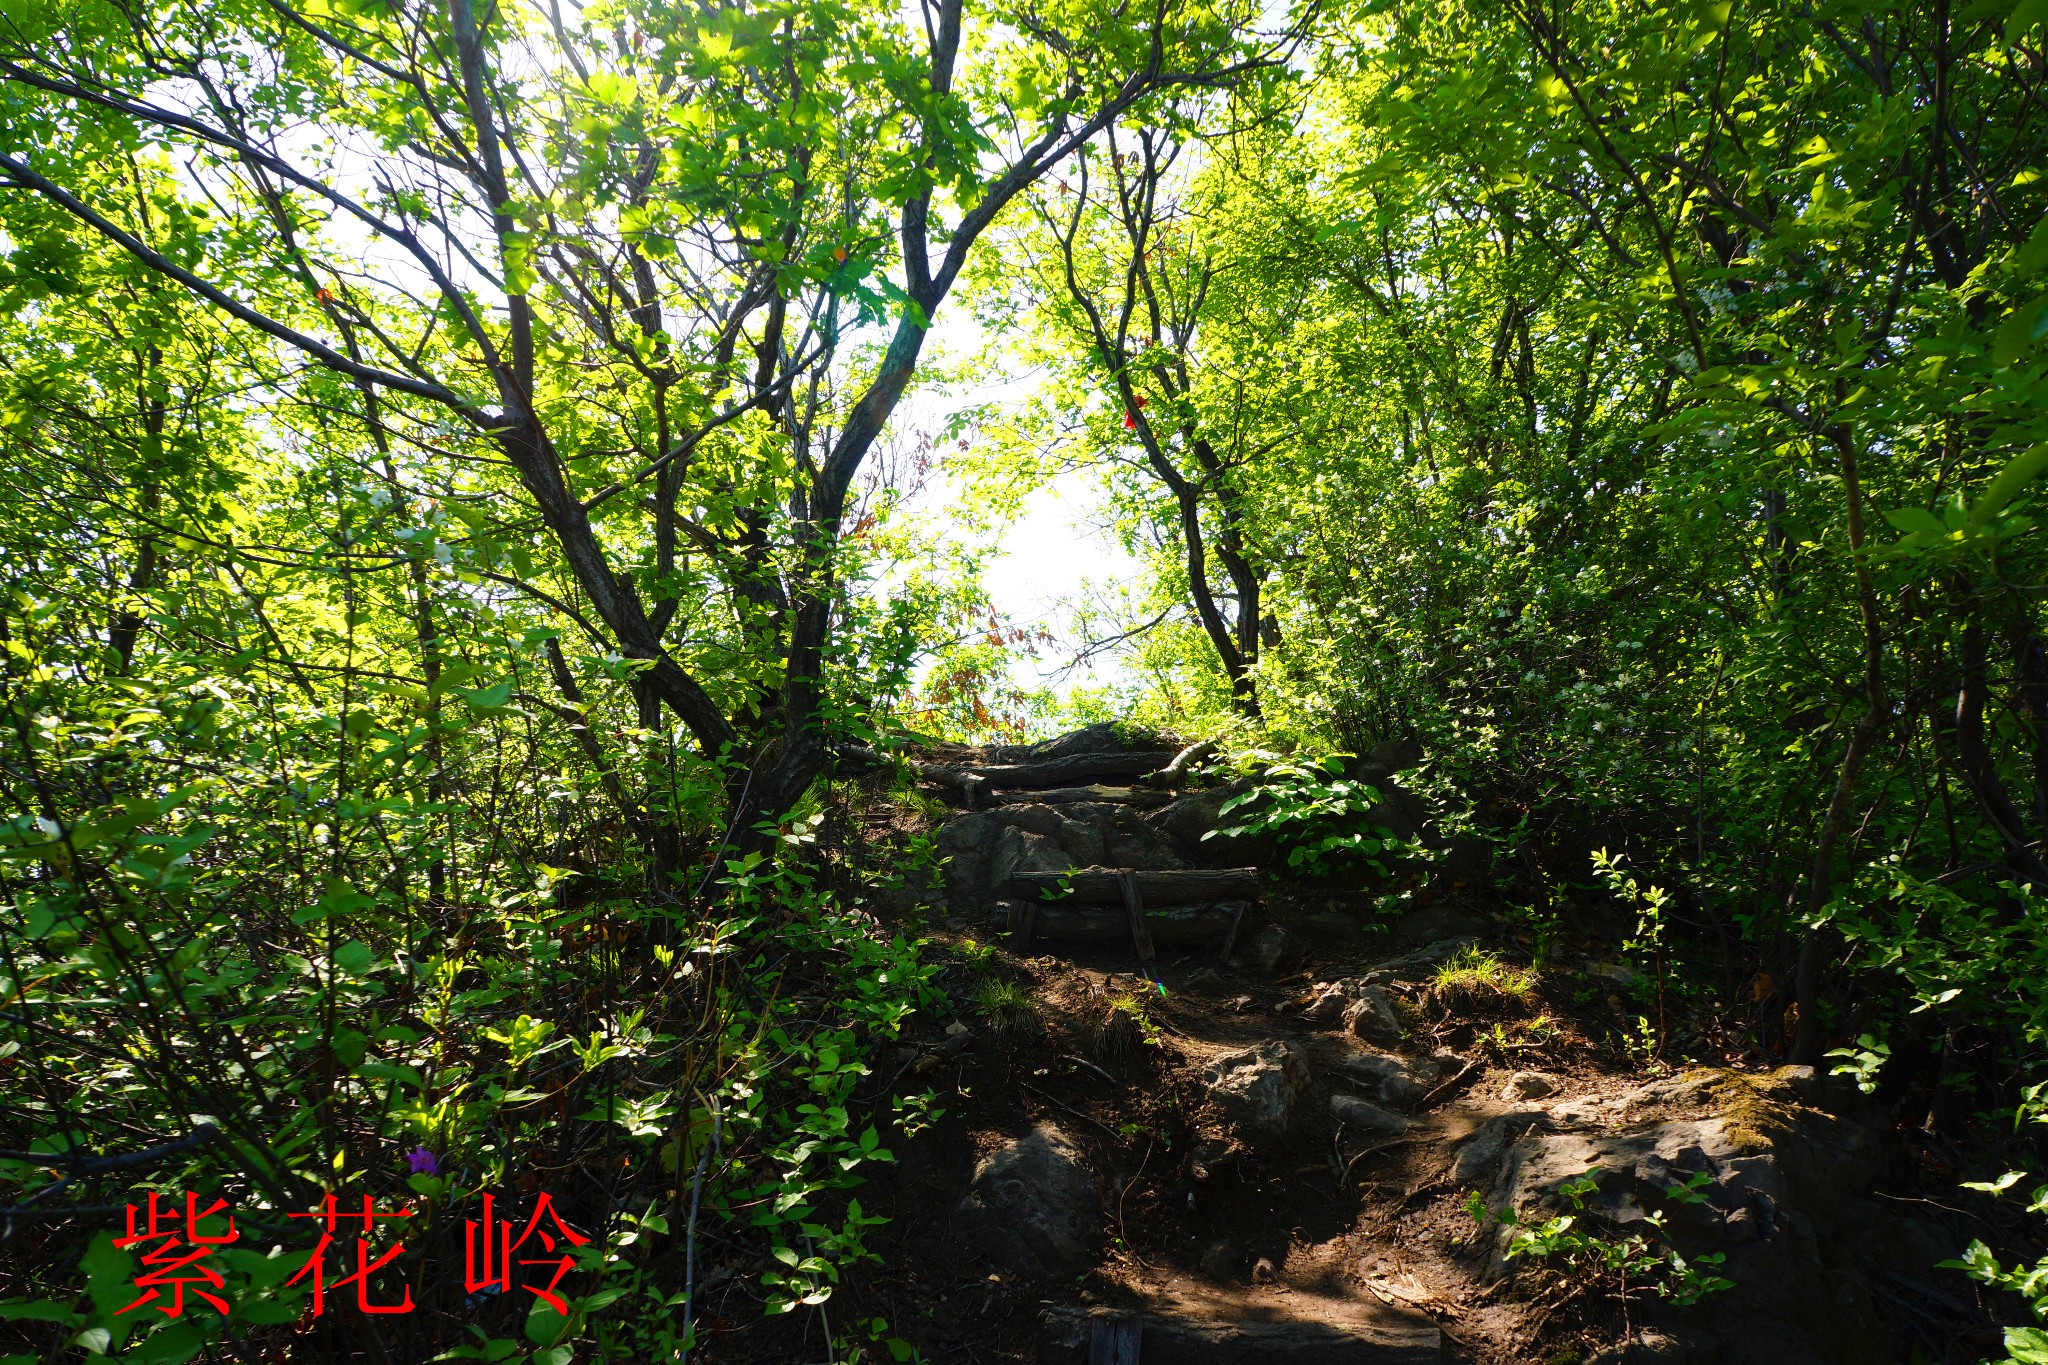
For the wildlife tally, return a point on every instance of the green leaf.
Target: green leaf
(349, 1046)
(391, 1071)
(268, 1312)
(2024, 326)
(38, 1310)
(1916, 520)
(487, 699)
(2025, 15)
(172, 1345)
(109, 1274)
(2032, 257)
(2015, 476)
(339, 899)
(544, 1326)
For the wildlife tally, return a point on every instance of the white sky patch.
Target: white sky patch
(1050, 557)
(1054, 554)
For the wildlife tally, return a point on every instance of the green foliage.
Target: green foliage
(1863, 1061)
(1313, 813)
(1625, 1264)
(453, 517)
(2023, 1345)
(376, 1022)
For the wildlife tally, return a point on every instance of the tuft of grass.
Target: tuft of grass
(1477, 978)
(1123, 1028)
(1007, 1006)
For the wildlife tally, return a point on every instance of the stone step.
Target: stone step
(1164, 886)
(1172, 924)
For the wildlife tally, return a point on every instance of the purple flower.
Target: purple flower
(422, 1160)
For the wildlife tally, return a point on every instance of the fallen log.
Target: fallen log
(1070, 923)
(1103, 885)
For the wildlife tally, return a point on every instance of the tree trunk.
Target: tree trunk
(1806, 976)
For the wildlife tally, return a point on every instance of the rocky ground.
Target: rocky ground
(1273, 1156)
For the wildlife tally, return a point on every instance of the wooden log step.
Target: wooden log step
(1072, 770)
(1054, 773)
(1103, 885)
(1143, 797)
(1070, 923)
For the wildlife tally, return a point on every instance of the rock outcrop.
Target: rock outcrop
(1363, 1008)
(985, 848)
(1784, 1157)
(1389, 1077)
(1032, 1205)
(1260, 1088)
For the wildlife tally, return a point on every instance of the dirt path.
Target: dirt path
(1270, 1157)
(1227, 1238)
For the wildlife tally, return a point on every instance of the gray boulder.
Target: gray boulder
(1364, 1114)
(1032, 1205)
(1272, 948)
(1424, 929)
(1394, 1079)
(1420, 964)
(1359, 1006)
(1260, 1088)
(1187, 818)
(1371, 1016)
(1780, 1177)
(1529, 1085)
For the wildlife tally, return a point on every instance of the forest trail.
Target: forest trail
(1268, 1156)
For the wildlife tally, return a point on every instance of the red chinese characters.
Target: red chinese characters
(497, 1259)
(176, 1247)
(179, 1247)
(316, 1264)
